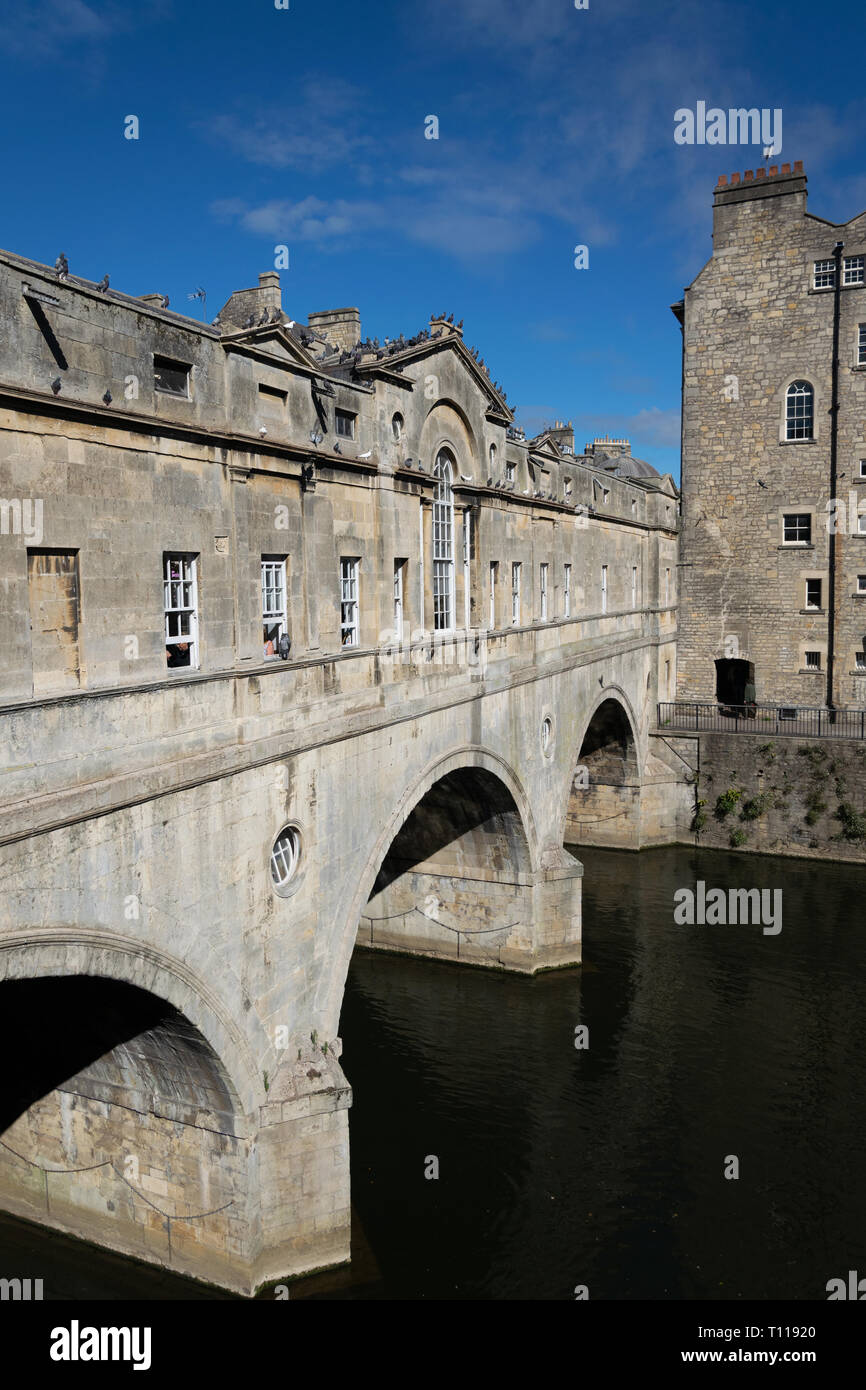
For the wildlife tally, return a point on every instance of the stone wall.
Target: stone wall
(753, 323)
(805, 797)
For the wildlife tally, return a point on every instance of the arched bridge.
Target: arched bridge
(180, 1095)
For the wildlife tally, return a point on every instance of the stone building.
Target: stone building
(773, 546)
(303, 644)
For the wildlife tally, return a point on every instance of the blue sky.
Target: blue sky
(306, 127)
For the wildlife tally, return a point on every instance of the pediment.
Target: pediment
(274, 341)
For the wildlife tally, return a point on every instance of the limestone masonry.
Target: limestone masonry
(773, 551)
(305, 644)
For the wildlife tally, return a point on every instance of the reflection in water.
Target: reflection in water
(604, 1167)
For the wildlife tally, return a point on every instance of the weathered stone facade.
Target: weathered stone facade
(171, 478)
(758, 328)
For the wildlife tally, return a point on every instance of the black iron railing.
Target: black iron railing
(804, 721)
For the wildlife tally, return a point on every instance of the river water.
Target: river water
(604, 1166)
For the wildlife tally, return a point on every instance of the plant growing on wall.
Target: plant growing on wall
(853, 823)
(727, 801)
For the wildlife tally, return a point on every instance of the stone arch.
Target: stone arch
(103, 955)
(604, 778)
(466, 759)
(121, 1045)
(448, 426)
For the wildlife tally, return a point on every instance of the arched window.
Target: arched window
(800, 413)
(443, 544)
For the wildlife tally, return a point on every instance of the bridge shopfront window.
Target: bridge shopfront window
(180, 601)
(274, 624)
(349, 623)
(443, 545)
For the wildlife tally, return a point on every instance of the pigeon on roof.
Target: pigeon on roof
(61, 265)
(103, 284)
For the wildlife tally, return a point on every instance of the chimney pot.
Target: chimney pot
(798, 166)
(749, 176)
(774, 169)
(786, 168)
(723, 180)
(735, 179)
(761, 174)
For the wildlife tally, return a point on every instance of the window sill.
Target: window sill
(811, 671)
(788, 442)
(796, 545)
(813, 612)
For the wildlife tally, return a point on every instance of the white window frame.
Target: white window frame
(798, 540)
(824, 275)
(566, 592)
(399, 598)
(800, 423)
(861, 583)
(860, 661)
(516, 567)
(180, 604)
(443, 544)
(863, 468)
(806, 602)
(350, 612)
(861, 523)
(285, 854)
(543, 573)
(853, 270)
(604, 588)
(274, 600)
(861, 345)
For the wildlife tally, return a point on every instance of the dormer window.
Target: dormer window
(344, 424)
(170, 377)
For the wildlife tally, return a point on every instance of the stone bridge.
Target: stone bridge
(197, 831)
(180, 1095)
